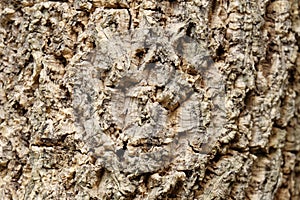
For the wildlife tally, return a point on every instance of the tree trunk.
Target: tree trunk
(149, 99)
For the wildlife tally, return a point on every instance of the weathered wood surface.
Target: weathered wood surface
(149, 99)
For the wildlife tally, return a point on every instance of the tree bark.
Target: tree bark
(149, 99)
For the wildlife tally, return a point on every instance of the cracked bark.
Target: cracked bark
(149, 99)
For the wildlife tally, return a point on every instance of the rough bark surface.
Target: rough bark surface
(149, 99)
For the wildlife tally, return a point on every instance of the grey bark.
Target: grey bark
(149, 99)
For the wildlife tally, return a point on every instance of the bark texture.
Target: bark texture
(128, 99)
